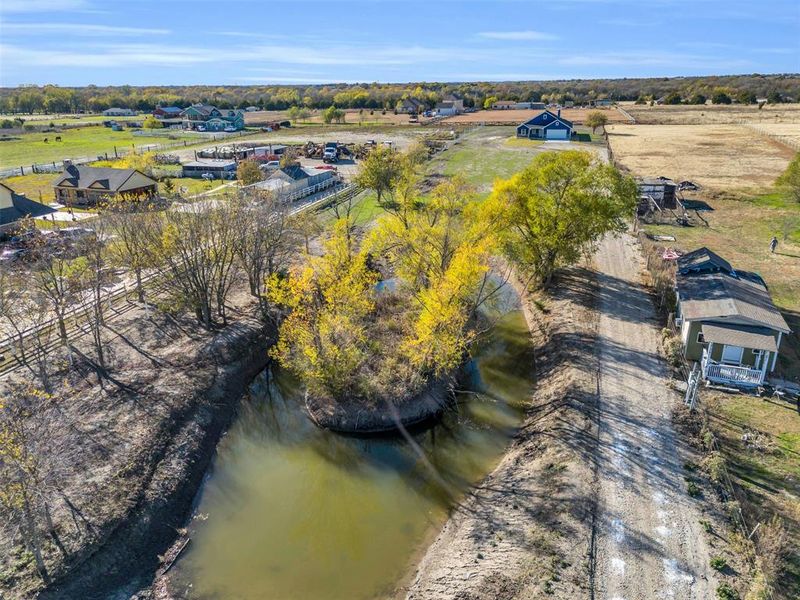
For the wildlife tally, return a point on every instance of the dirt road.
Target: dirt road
(649, 542)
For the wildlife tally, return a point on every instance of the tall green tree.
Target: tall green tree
(557, 207)
(789, 180)
(380, 172)
(595, 119)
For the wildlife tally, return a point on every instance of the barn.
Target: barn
(546, 126)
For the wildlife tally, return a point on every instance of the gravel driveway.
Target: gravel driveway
(649, 542)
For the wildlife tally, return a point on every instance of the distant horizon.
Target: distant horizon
(399, 83)
(76, 43)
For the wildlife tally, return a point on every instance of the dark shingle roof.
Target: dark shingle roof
(83, 177)
(703, 260)
(22, 207)
(720, 294)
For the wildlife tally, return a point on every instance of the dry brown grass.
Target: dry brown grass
(719, 114)
(576, 115)
(728, 157)
(352, 116)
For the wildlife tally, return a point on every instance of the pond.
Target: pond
(289, 511)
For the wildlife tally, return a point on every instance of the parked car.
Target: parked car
(207, 176)
(230, 130)
(271, 165)
(200, 128)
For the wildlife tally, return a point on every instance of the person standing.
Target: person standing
(773, 244)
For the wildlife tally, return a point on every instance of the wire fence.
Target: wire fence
(787, 140)
(117, 152)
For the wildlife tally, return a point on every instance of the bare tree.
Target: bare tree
(133, 242)
(197, 248)
(27, 314)
(28, 468)
(263, 241)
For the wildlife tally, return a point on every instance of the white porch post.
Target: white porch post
(764, 367)
(777, 349)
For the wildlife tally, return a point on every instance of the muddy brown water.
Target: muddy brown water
(289, 511)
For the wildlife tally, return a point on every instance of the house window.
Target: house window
(544, 117)
(700, 338)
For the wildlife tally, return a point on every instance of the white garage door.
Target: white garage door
(556, 134)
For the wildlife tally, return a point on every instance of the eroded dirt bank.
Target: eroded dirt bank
(129, 451)
(525, 531)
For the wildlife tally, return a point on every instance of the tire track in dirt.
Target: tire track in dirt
(649, 540)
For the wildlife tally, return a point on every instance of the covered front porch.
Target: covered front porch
(737, 355)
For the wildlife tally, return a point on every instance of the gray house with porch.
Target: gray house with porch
(727, 320)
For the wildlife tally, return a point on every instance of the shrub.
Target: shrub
(714, 465)
(726, 592)
(759, 587)
(706, 525)
(693, 489)
(708, 439)
(718, 563)
(6, 124)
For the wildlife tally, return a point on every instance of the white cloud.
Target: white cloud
(84, 29)
(517, 35)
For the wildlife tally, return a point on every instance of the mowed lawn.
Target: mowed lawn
(28, 148)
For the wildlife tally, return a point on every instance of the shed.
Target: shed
(220, 168)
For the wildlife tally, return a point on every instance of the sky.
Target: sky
(241, 42)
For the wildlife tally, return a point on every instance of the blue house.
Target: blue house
(546, 126)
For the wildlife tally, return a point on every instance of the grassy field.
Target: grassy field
(488, 153)
(724, 157)
(713, 114)
(28, 148)
(515, 117)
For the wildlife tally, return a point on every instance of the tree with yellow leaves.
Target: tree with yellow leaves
(557, 207)
(330, 300)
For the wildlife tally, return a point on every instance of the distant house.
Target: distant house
(252, 109)
(14, 207)
(86, 186)
(212, 118)
(568, 103)
(601, 102)
(515, 105)
(457, 102)
(119, 112)
(446, 109)
(411, 106)
(294, 182)
(727, 320)
(167, 112)
(546, 126)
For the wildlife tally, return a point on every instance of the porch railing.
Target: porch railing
(720, 373)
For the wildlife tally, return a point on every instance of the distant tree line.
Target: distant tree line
(386, 96)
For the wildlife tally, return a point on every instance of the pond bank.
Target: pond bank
(385, 417)
(525, 530)
(124, 562)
